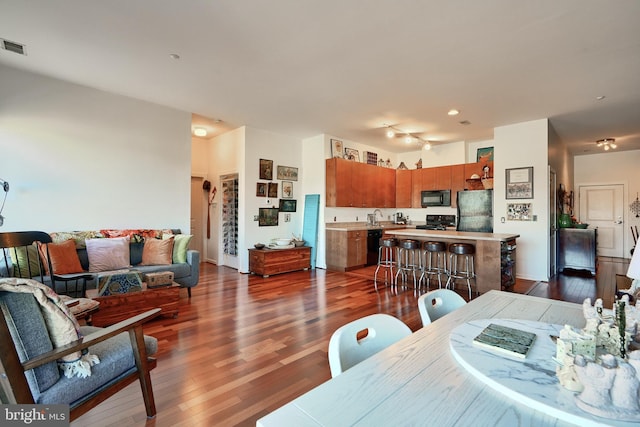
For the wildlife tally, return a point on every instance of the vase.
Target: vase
(564, 221)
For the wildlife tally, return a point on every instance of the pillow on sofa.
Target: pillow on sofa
(157, 251)
(20, 256)
(64, 258)
(180, 246)
(108, 254)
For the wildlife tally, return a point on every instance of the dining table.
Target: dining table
(427, 379)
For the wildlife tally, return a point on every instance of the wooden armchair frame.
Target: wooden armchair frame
(16, 389)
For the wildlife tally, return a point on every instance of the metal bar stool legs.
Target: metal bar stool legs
(409, 261)
(461, 264)
(434, 263)
(386, 260)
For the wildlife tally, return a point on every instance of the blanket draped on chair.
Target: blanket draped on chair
(62, 326)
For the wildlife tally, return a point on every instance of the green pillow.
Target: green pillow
(19, 258)
(180, 246)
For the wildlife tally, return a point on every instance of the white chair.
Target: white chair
(435, 304)
(354, 342)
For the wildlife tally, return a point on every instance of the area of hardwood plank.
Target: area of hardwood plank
(244, 345)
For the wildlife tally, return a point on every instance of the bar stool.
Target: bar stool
(387, 247)
(409, 260)
(461, 264)
(435, 262)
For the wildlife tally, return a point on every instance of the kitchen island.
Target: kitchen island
(495, 257)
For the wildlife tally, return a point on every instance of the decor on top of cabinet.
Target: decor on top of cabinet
(267, 217)
(381, 163)
(519, 183)
(419, 164)
(266, 169)
(371, 158)
(261, 189)
(402, 167)
(287, 189)
(351, 154)
(337, 148)
(388, 164)
(288, 172)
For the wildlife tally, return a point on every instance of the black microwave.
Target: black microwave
(435, 198)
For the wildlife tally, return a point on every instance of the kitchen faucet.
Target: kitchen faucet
(375, 222)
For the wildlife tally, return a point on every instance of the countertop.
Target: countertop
(364, 227)
(452, 234)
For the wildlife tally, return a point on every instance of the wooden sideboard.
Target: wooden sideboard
(266, 262)
(577, 249)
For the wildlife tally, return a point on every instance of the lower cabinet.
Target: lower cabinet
(266, 262)
(346, 250)
(577, 249)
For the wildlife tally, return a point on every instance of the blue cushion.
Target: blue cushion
(116, 358)
(30, 337)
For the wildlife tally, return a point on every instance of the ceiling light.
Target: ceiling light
(453, 112)
(600, 98)
(408, 136)
(390, 133)
(408, 139)
(607, 143)
(174, 56)
(427, 146)
(200, 132)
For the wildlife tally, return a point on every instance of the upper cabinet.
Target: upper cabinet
(359, 185)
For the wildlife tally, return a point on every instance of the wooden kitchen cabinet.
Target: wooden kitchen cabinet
(403, 188)
(346, 250)
(442, 178)
(359, 185)
(266, 262)
(577, 249)
(458, 182)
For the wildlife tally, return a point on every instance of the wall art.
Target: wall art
(288, 172)
(287, 189)
(519, 183)
(272, 189)
(484, 155)
(266, 169)
(261, 189)
(352, 154)
(288, 205)
(519, 212)
(267, 217)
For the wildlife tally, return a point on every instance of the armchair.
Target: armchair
(22, 259)
(29, 371)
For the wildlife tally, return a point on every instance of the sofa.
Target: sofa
(98, 253)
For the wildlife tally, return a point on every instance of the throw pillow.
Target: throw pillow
(64, 257)
(157, 251)
(25, 260)
(180, 246)
(108, 254)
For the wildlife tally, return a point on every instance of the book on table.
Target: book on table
(504, 339)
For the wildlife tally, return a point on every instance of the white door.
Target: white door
(601, 206)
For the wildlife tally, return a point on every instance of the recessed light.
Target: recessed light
(600, 98)
(453, 112)
(465, 122)
(174, 56)
(200, 132)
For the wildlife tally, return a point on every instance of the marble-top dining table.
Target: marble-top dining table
(422, 380)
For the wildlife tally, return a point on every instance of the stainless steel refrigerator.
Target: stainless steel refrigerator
(475, 211)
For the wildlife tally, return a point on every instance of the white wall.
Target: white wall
(313, 182)
(80, 159)
(516, 146)
(620, 167)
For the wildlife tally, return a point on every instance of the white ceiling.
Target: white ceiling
(345, 68)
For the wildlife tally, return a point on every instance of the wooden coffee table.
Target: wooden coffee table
(114, 308)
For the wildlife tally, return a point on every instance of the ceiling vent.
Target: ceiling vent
(13, 47)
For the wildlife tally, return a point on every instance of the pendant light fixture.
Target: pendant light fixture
(607, 143)
(409, 137)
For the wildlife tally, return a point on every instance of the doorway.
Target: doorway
(197, 208)
(229, 220)
(602, 207)
(553, 224)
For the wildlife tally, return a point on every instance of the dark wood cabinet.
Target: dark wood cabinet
(577, 249)
(403, 188)
(346, 250)
(266, 262)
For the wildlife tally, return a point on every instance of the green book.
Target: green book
(506, 340)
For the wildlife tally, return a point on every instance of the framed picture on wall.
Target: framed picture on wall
(519, 183)
(288, 172)
(484, 155)
(261, 189)
(288, 205)
(267, 217)
(272, 190)
(266, 169)
(287, 189)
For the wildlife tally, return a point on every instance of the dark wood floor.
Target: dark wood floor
(243, 345)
